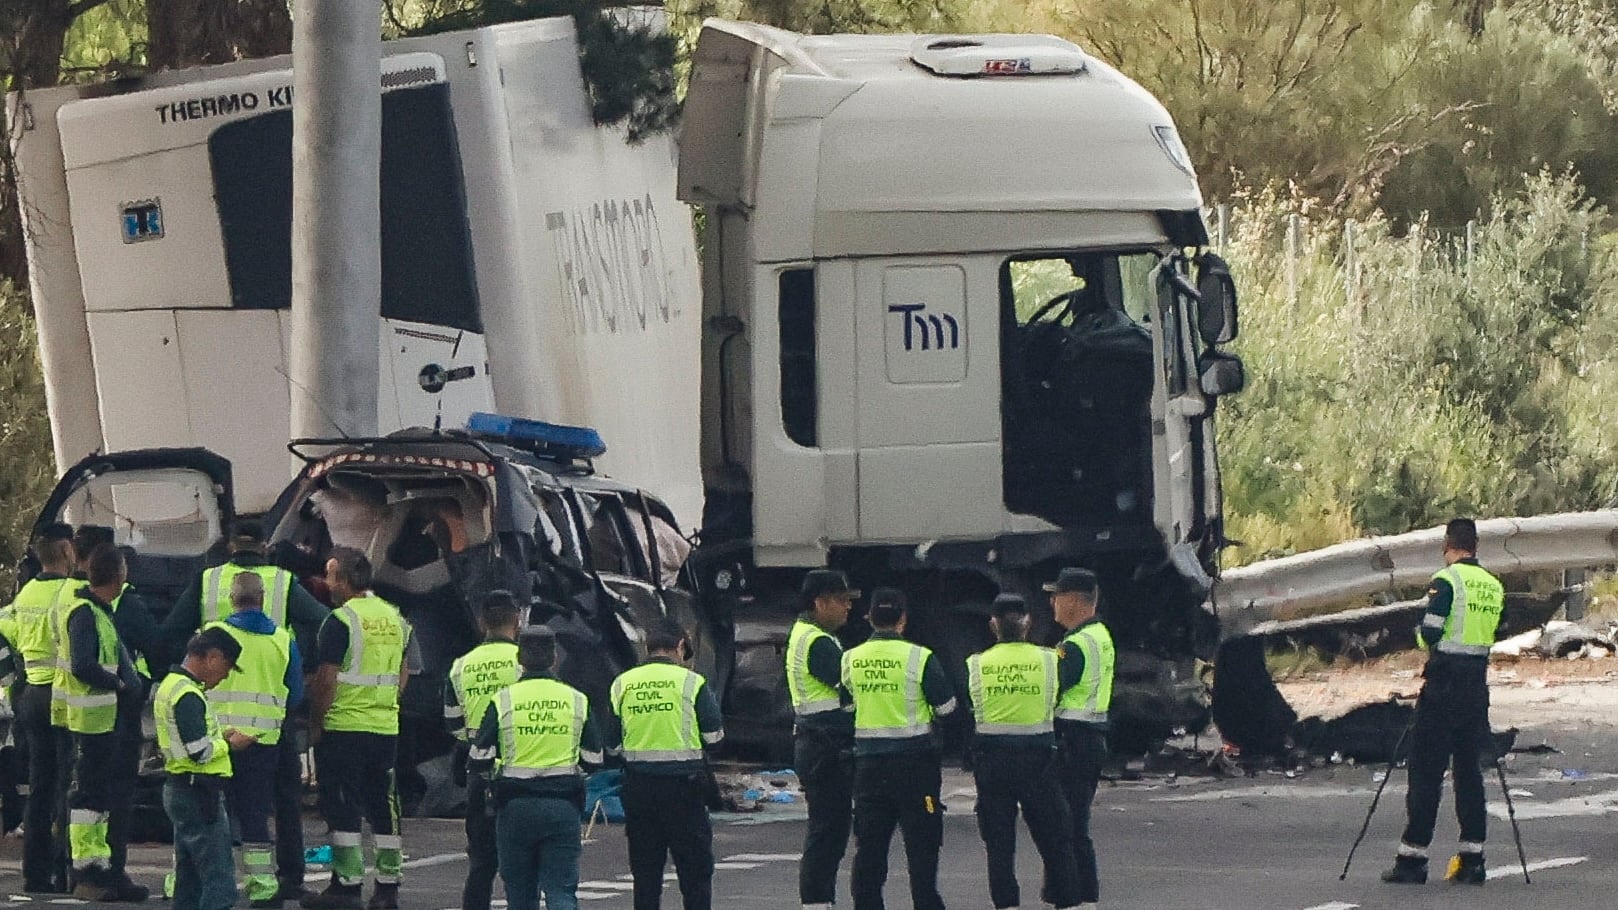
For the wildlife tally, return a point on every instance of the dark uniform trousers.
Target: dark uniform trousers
(1451, 731)
(126, 776)
(482, 846)
(899, 789)
(50, 763)
(825, 763)
(1082, 749)
(667, 815)
(356, 781)
(289, 866)
(1009, 777)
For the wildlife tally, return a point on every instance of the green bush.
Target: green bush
(1408, 382)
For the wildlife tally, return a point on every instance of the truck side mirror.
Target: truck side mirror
(1216, 310)
(1220, 374)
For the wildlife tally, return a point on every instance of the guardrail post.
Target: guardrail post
(1578, 594)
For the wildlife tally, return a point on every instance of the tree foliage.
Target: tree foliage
(628, 64)
(1408, 381)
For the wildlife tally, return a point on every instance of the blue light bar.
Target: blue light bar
(575, 442)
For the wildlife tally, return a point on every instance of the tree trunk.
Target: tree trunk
(184, 33)
(263, 28)
(34, 55)
(197, 32)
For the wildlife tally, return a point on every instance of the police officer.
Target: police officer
(1013, 689)
(34, 609)
(207, 598)
(196, 754)
(354, 725)
(254, 702)
(474, 677)
(98, 675)
(667, 714)
(291, 607)
(533, 735)
(1084, 677)
(823, 732)
(898, 688)
(1451, 727)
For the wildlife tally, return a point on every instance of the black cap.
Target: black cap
(214, 637)
(56, 530)
(247, 529)
(827, 583)
(1074, 581)
(1009, 605)
(887, 606)
(538, 634)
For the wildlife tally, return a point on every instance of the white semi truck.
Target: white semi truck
(953, 330)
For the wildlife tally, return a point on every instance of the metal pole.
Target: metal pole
(1511, 812)
(336, 220)
(1578, 593)
(1292, 260)
(1393, 762)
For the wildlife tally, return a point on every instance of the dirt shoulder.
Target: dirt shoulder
(1531, 693)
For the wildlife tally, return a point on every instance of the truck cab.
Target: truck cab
(954, 339)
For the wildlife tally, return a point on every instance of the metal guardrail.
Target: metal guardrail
(1283, 589)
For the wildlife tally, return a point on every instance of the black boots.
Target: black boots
(385, 897)
(1407, 870)
(335, 897)
(1464, 869)
(1467, 869)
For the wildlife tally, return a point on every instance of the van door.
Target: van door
(171, 507)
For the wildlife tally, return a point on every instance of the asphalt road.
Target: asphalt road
(1262, 843)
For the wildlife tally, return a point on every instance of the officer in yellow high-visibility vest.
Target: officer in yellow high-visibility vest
(291, 607)
(1464, 604)
(1013, 687)
(363, 665)
(49, 752)
(98, 675)
(196, 754)
(667, 714)
(1085, 663)
(533, 736)
(207, 598)
(254, 702)
(473, 680)
(822, 731)
(898, 688)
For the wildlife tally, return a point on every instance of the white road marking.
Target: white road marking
(608, 886)
(737, 865)
(441, 859)
(1559, 862)
(1591, 804)
(594, 895)
(1334, 905)
(764, 858)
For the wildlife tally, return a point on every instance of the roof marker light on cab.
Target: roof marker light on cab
(999, 55)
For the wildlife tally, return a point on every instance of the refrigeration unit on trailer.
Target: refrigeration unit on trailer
(532, 262)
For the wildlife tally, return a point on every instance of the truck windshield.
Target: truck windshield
(1077, 372)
